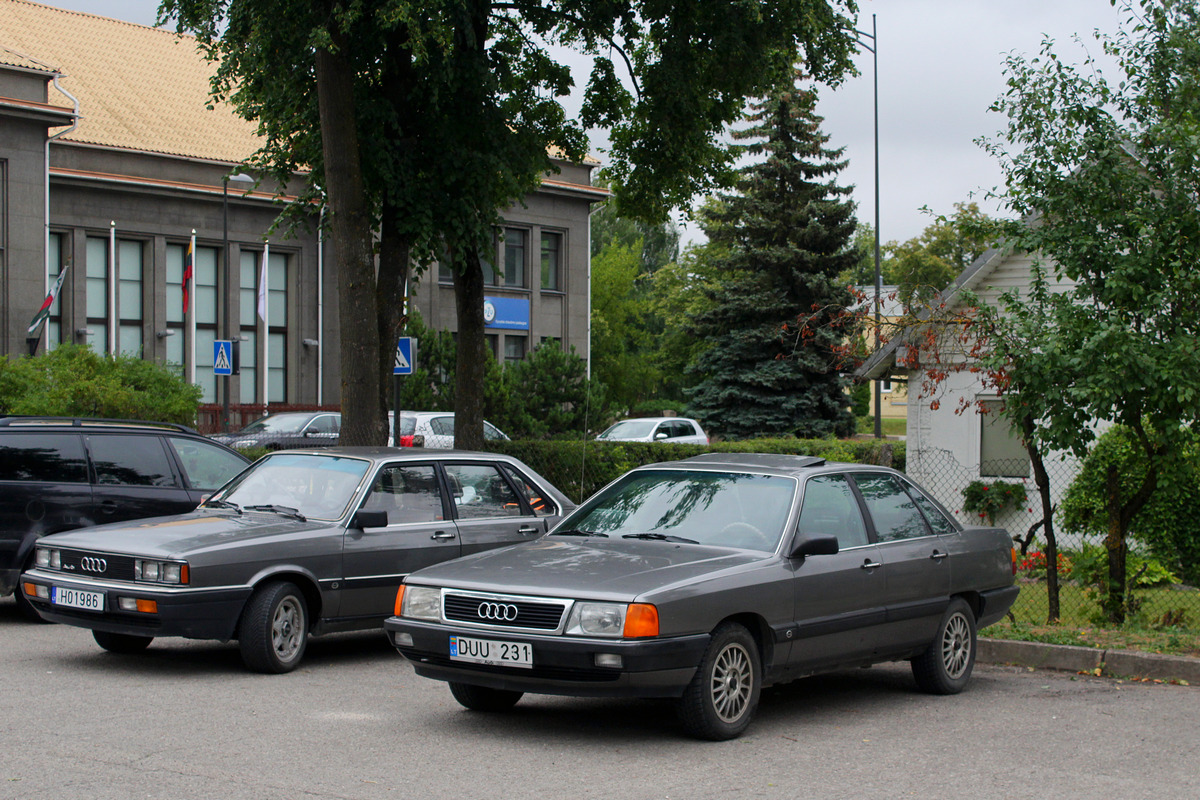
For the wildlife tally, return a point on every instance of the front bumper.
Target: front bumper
(190, 612)
(562, 665)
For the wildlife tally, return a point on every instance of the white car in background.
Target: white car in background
(436, 426)
(677, 430)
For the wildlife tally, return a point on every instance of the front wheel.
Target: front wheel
(946, 666)
(121, 642)
(274, 629)
(483, 698)
(720, 701)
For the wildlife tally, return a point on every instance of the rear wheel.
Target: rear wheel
(720, 701)
(121, 642)
(274, 629)
(483, 698)
(946, 666)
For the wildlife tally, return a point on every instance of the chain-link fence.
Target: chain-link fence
(1156, 598)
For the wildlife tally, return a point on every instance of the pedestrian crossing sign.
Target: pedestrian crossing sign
(222, 357)
(405, 361)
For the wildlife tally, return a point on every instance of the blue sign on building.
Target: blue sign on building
(506, 312)
(222, 357)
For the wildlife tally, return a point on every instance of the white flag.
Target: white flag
(262, 288)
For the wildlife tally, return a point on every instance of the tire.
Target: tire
(723, 695)
(482, 698)
(946, 666)
(121, 642)
(273, 632)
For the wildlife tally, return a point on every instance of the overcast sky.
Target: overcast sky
(940, 67)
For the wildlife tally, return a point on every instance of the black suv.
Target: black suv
(59, 473)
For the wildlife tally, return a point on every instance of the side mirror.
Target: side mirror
(369, 519)
(815, 546)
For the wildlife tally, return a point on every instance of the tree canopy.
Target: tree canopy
(423, 120)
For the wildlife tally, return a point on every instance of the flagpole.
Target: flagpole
(112, 287)
(191, 310)
(264, 312)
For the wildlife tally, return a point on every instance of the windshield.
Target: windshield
(729, 509)
(630, 429)
(277, 423)
(317, 486)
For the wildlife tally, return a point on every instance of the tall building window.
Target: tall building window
(277, 271)
(96, 297)
(129, 298)
(54, 260)
(204, 304)
(514, 348)
(273, 336)
(551, 249)
(514, 257)
(248, 326)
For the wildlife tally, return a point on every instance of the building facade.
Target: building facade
(115, 166)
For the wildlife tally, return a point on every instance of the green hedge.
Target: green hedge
(579, 468)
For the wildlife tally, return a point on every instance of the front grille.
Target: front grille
(97, 565)
(531, 615)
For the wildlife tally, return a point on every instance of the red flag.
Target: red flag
(187, 277)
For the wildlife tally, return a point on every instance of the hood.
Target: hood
(180, 535)
(617, 569)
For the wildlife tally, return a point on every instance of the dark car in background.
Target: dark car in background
(302, 543)
(62, 473)
(705, 580)
(302, 429)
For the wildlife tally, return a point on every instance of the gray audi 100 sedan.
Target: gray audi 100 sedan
(302, 542)
(705, 580)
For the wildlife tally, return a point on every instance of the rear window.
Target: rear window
(43, 457)
(130, 461)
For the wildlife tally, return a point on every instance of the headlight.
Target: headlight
(421, 602)
(597, 619)
(47, 557)
(160, 571)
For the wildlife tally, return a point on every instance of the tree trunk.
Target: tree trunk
(350, 226)
(1114, 543)
(390, 302)
(1042, 480)
(470, 369)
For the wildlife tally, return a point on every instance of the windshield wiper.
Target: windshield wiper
(659, 537)
(578, 532)
(286, 511)
(222, 504)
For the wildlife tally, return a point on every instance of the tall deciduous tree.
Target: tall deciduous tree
(1109, 177)
(780, 243)
(455, 105)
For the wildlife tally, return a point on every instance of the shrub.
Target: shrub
(76, 381)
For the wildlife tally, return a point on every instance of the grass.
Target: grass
(892, 426)
(1166, 620)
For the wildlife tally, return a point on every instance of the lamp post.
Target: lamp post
(240, 177)
(873, 49)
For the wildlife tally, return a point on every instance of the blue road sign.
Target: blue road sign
(406, 360)
(222, 357)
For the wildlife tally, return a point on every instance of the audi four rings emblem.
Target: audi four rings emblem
(500, 612)
(91, 564)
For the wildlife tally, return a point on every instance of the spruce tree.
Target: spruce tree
(777, 245)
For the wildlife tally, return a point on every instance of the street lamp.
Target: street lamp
(872, 48)
(240, 177)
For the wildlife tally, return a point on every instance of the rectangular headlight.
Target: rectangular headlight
(150, 571)
(48, 557)
(597, 619)
(421, 602)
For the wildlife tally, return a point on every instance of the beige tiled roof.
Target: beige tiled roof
(138, 88)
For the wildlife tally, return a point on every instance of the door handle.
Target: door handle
(108, 506)
(938, 555)
(872, 564)
(442, 535)
(527, 529)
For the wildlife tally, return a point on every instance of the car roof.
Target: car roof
(774, 463)
(94, 423)
(654, 419)
(381, 453)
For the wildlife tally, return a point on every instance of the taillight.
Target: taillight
(1013, 550)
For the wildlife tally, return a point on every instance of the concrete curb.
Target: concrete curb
(1111, 663)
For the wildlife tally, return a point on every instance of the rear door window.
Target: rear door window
(43, 458)
(131, 461)
(894, 513)
(481, 491)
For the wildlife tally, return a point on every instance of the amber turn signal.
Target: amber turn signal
(399, 600)
(1014, 560)
(641, 619)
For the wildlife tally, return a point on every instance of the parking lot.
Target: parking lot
(186, 720)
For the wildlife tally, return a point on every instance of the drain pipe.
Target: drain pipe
(46, 210)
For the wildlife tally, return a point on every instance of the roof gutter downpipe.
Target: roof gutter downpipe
(46, 173)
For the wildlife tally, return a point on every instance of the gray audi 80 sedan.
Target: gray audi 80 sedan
(707, 579)
(303, 542)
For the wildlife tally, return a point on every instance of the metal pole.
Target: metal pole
(228, 277)
(878, 273)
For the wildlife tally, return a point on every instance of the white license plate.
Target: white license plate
(486, 651)
(77, 598)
